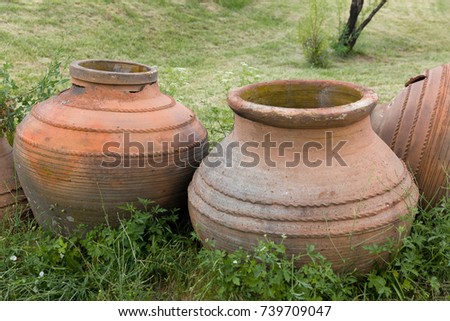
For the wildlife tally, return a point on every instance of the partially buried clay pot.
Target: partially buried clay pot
(10, 192)
(110, 139)
(303, 166)
(416, 125)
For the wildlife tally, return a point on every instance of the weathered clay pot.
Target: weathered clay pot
(416, 125)
(10, 191)
(109, 139)
(304, 165)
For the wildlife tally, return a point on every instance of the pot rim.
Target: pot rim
(291, 117)
(113, 72)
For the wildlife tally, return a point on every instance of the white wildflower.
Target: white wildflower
(13, 258)
(41, 274)
(235, 262)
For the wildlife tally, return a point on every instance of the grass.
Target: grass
(153, 257)
(202, 49)
(211, 41)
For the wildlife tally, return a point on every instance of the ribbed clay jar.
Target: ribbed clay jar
(10, 191)
(416, 125)
(303, 166)
(109, 139)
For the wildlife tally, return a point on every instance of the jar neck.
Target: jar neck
(112, 87)
(253, 131)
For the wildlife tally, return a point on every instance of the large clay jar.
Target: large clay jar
(416, 125)
(110, 139)
(10, 191)
(303, 166)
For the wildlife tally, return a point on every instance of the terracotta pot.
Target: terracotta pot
(109, 139)
(416, 125)
(303, 166)
(10, 191)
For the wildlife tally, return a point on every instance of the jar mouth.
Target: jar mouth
(303, 103)
(113, 72)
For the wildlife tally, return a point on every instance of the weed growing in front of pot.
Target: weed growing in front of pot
(269, 274)
(15, 102)
(127, 263)
(154, 255)
(421, 268)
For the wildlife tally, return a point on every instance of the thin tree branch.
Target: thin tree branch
(371, 15)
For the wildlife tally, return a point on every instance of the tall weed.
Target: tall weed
(313, 35)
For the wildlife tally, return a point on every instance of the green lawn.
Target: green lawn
(202, 49)
(210, 43)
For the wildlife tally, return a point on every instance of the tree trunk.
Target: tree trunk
(352, 30)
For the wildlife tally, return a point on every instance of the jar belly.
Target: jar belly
(66, 189)
(338, 231)
(346, 252)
